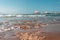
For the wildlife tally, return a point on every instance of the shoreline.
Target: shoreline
(53, 36)
(28, 26)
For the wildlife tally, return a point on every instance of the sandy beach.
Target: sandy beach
(53, 36)
(30, 30)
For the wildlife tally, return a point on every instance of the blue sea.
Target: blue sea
(42, 18)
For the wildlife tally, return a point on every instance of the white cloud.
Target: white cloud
(36, 11)
(8, 10)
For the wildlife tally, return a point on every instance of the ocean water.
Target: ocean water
(37, 18)
(53, 21)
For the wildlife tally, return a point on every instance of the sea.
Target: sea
(42, 18)
(52, 21)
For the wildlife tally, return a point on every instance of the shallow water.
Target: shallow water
(53, 25)
(44, 19)
(52, 28)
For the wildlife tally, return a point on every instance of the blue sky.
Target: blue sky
(28, 6)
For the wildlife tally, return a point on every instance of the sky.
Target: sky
(28, 6)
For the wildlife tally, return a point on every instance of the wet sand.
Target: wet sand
(52, 31)
(53, 36)
(49, 36)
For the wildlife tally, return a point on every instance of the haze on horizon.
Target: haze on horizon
(28, 6)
